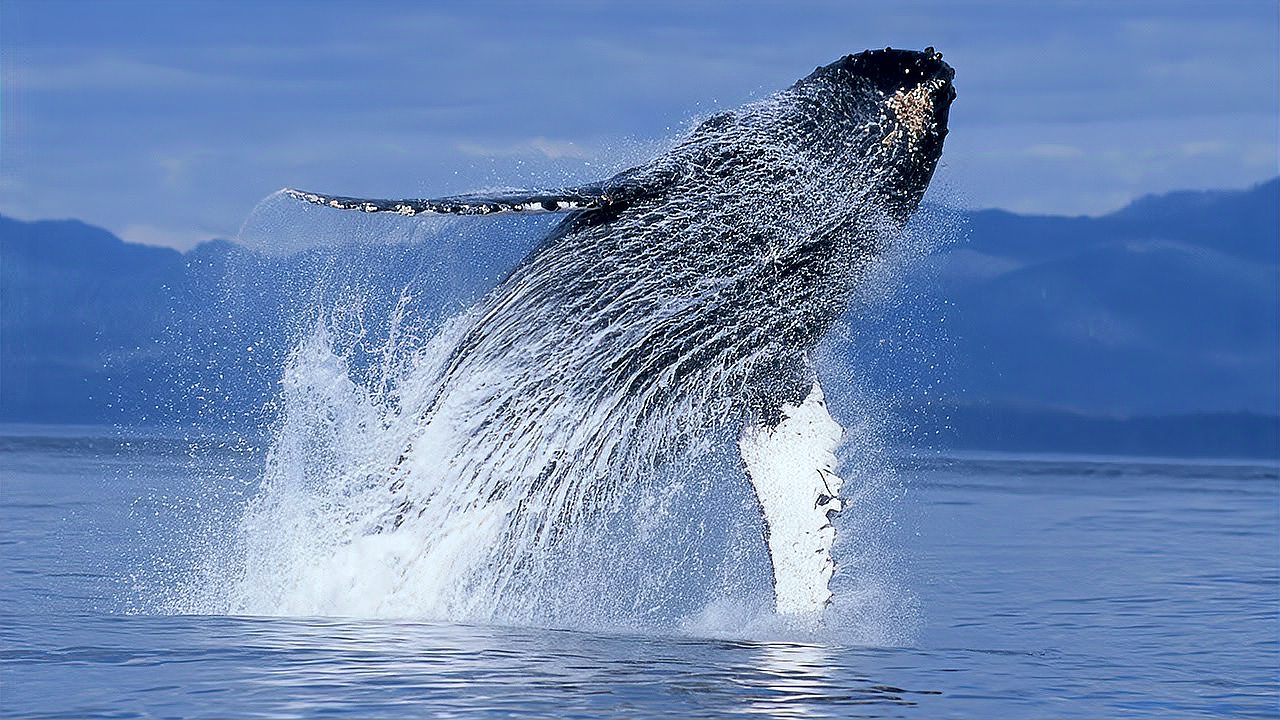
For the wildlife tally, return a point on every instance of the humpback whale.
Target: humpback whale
(689, 291)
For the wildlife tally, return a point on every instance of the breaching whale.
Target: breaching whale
(690, 289)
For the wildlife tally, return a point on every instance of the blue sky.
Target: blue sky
(167, 122)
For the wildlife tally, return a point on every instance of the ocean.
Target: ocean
(1027, 586)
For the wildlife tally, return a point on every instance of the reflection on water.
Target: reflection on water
(785, 681)
(277, 668)
(801, 681)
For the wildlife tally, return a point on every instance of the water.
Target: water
(1021, 587)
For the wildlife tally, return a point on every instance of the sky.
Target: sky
(167, 123)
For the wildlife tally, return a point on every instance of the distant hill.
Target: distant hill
(79, 310)
(1154, 327)
(1027, 327)
(1117, 329)
(1167, 306)
(97, 330)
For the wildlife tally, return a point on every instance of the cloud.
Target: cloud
(1095, 168)
(109, 74)
(10, 183)
(533, 147)
(964, 266)
(1196, 148)
(1053, 151)
(177, 238)
(153, 115)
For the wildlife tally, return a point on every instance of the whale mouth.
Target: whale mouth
(891, 70)
(921, 74)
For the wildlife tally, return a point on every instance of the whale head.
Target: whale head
(866, 130)
(845, 151)
(794, 196)
(882, 115)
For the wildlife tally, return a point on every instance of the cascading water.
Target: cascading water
(321, 537)
(680, 541)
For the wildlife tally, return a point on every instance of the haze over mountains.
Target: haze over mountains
(1168, 307)
(1153, 329)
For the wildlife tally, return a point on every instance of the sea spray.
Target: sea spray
(562, 451)
(680, 547)
(315, 541)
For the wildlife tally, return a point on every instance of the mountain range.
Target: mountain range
(1153, 329)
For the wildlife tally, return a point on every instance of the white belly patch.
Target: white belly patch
(792, 468)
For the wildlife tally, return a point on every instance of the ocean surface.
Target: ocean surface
(1039, 587)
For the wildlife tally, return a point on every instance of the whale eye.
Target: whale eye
(550, 205)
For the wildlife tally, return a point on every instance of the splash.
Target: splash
(367, 509)
(565, 451)
(321, 536)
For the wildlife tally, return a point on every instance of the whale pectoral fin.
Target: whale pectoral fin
(626, 187)
(515, 201)
(792, 465)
